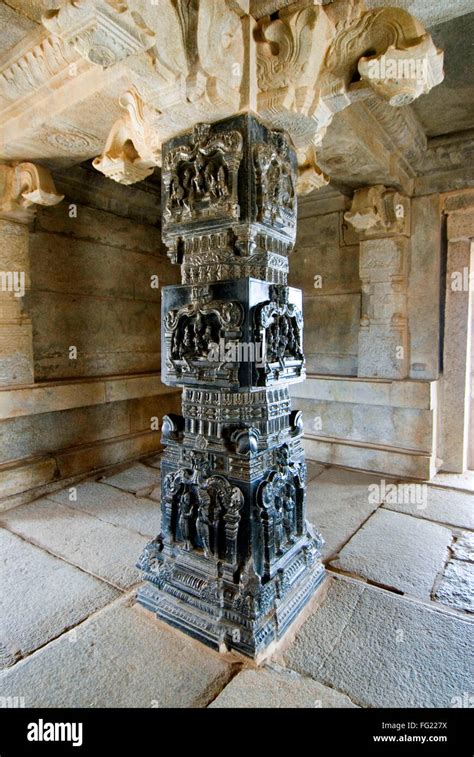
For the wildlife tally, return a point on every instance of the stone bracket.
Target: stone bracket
(22, 187)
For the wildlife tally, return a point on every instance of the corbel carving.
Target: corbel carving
(133, 147)
(379, 212)
(362, 48)
(22, 186)
(290, 54)
(198, 61)
(315, 61)
(310, 61)
(402, 75)
(102, 31)
(310, 176)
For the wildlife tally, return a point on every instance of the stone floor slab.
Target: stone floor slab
(455, 480)
(41, 596)
(383, 650)
(314, 469)
(277, 687)
(397, 551)
(137, 478)
(106, 551)
(463, 547)
(455, 508)
(339, 501)
(121, 657)
(113, 505)
(154, 461)
(456, 587)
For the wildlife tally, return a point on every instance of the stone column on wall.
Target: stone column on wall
(22, 187)
(457, 336)
(381, 217)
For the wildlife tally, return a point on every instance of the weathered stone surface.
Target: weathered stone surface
(456, 587)
(55, 396)
(330, 344)
(397, 551)
(424, 287)
(99, 328)
(383, 650)
(314, 469)
(100, 548)
(41, 597)
(319, 264)
(19, 478)
(455, 508)
(454, 443)
(338, 504)
(108, 229)
(360, 391)
(154, 461)
(274, 687)
(383, 331)
(136, 478)
(463, 481)
(463, 547)
(89, 457)
(47, 432)
(388, 461)
(160, 668)
(112, 505)
(373, 424)
(13, 25)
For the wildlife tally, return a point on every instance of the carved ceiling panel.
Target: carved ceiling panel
(112, 81)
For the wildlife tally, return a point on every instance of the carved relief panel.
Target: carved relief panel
(235, 335)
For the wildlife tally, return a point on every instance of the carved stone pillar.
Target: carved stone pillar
(235, 561)
(381, 218)
(22, 187)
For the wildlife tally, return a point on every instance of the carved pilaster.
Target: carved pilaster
(381, 218)
(22, 187)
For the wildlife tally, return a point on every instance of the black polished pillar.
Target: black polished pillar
(235, 561)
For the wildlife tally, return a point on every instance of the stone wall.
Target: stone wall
(377, 415)
(325, 265)
(91, 260)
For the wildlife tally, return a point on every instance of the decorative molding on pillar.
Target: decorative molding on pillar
(103, 32)
(22, 187)
(379, 212)
(290, 55)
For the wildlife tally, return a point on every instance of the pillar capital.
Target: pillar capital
(378, 212)
(295, 67)
(23, 186)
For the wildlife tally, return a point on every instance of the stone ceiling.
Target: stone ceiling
(395, 151)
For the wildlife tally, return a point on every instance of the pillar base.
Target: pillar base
(225, 616)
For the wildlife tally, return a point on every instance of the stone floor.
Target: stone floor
(392, 629)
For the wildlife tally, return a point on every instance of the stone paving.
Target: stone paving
(393, 628)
